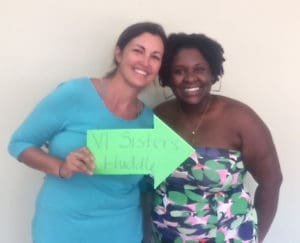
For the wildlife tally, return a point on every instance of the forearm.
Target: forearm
(266, 201)
(38, 159)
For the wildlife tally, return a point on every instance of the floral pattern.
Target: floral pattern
(204, 200)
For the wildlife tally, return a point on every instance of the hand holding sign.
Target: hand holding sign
(157, 151)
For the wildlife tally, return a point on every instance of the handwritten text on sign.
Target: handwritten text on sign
(157, 151)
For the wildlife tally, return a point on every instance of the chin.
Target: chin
(190, 100)
(142, 85)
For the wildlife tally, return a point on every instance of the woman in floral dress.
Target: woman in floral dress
(205, 200)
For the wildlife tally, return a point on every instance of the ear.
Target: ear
(118, 54)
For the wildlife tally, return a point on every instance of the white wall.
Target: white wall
(45, 42)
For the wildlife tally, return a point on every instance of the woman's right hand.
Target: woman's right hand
(78, 161)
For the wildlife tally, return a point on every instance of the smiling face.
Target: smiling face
(191, 78)
(140, 60)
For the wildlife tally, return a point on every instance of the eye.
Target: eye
(137, 50)
(199, 69)
(178, 71)
(156, 57)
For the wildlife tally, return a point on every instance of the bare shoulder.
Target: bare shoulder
(236, 110)
(167, 111)
(231, 104)
(242, 121)
(166, 108)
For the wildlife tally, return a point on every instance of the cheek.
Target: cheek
(174, 85)
(155, 67)
(175, 91)
(176, 80)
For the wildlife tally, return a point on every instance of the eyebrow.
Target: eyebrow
(196, 65)
(142, 47)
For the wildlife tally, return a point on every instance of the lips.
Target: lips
(192, 89)
(142, 72)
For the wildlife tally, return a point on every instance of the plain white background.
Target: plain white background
(45, 42)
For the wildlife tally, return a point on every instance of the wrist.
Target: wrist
(60, 170)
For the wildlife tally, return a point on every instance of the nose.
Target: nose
(189, 76)
(145, 60)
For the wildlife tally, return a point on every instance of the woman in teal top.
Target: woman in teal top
(73, 205)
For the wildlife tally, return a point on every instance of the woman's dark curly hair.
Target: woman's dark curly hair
(211, 50)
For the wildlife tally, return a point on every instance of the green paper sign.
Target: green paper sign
(157, 151)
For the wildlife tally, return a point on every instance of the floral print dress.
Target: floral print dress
(204, 200)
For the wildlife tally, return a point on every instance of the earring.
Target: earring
(217, 86)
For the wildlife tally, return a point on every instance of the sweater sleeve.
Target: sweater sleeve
(47, 119)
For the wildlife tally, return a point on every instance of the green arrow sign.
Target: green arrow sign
(157, 151)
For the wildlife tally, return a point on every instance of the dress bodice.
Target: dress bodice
(204, 199)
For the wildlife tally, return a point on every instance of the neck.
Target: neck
(193, 117)
(120, 100)
(118, 91)
(196, 110)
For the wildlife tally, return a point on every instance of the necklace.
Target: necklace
(195, 130)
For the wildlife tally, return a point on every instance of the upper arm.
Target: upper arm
(45, 120)
(258, 149)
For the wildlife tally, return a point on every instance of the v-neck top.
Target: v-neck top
(61, 121)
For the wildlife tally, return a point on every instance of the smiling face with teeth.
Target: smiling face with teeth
(191, 77)
(140, 60)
